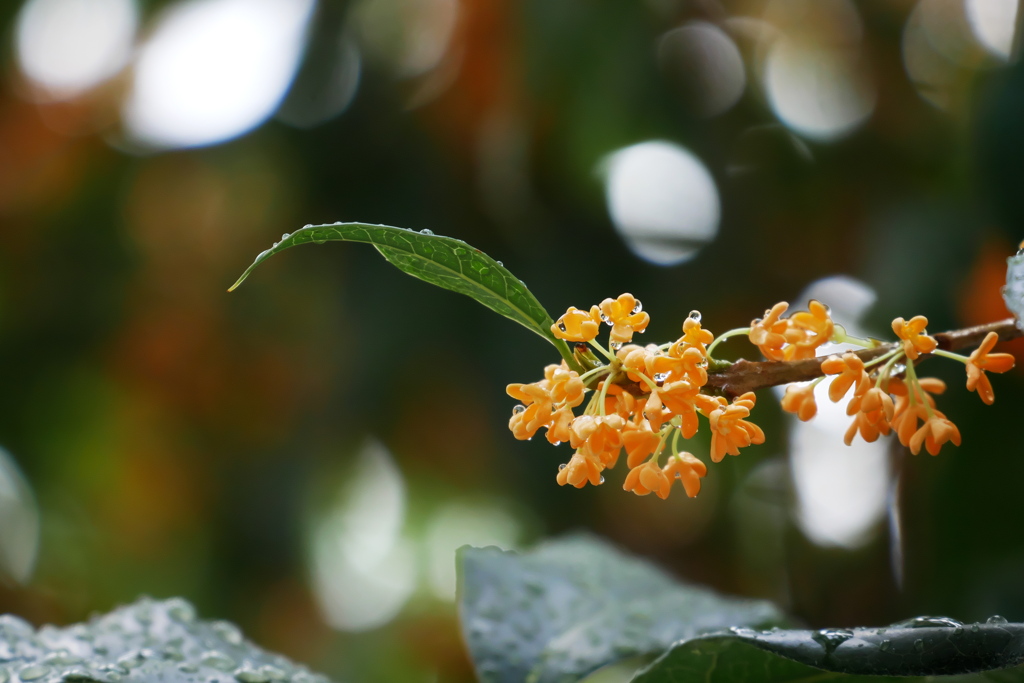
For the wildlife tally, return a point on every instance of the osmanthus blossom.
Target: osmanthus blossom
(647, 399)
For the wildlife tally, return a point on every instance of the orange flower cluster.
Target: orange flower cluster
(643, 400)
(912, 415)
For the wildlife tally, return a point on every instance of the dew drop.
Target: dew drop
(605, 318)
(218, 660)
(742, 632)
(602, 480)
(247, 674)
(637, 308)
(975, 628)
(695, 315)
(885, 645)
(615, 345)
(519, 410)
(561, 326)
(557, 443)
(500, 264)
(562, 467)
(919, 645)
(958, 631)
(660, 376)
(424, 231)
(33, 672)
(831, 638)
(285, 236)
(996, 619)
(929, 622)
(319, 237)
(188, 668)
(180, 609)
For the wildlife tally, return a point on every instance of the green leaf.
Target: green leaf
(571, 606)
(922, 648)
(146, 642)
(443, 261)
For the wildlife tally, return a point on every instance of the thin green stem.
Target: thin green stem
(883, 374)
(841, 336)
(597, 345)
(951, 355)
(725, 335)
(604, 393)
(586, 376)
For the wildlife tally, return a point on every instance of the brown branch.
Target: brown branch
(744, 375)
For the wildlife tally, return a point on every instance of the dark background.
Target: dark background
(335, 428)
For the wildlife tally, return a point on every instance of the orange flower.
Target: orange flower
(640, 441)
(915, 341)
(583, 467)
(680, 398)
(558, 430)
(648, 477)
(907, 412)
(729, 431)
(980, 361)
(688, 469)
(638, 360)
(626, 316)
(566, 385)
(872, 412)
(850, 369)
(799, 400)
(694, 336)
(535, 411)
(807, 330)
(936, 431)
(601, 434)
(618, 401)
(766, 333)
(577, 326)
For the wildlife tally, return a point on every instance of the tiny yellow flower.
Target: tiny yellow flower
(730, 431)
(583, 468)
(936, 431)
(626, 316)
(850, 369)
(806, 331)
(687, 469)
(982, 360)
(766, 333)
(912, 332)
(647, 478)
(799, 400)
(577, 326)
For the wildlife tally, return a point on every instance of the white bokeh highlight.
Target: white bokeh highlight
(363, 568)
(66, 47)
(214, 69)
(662, 200)
(822, 93)
(993, 23)
(841, 491)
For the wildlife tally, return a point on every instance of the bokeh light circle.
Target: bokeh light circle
(214, 69)
(66, 47)
(662, 200)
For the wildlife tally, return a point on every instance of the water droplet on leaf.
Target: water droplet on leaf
(424, 231)
(885, 646)
(919, 645)
(996, 619)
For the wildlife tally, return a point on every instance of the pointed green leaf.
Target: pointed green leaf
(571, 606)
(442, 261)
(921, 648)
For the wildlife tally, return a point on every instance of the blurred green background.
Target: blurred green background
(304, 455)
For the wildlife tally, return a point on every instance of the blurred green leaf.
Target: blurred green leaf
(443, 261)
(918, 648)
(571, 606)
(146, 642)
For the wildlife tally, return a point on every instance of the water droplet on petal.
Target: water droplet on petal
(562, 467)
(637, 308)
(561, 326)
(695, 315)
(602, 480)
(605, 318)
(519, 410)
(660, 376)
